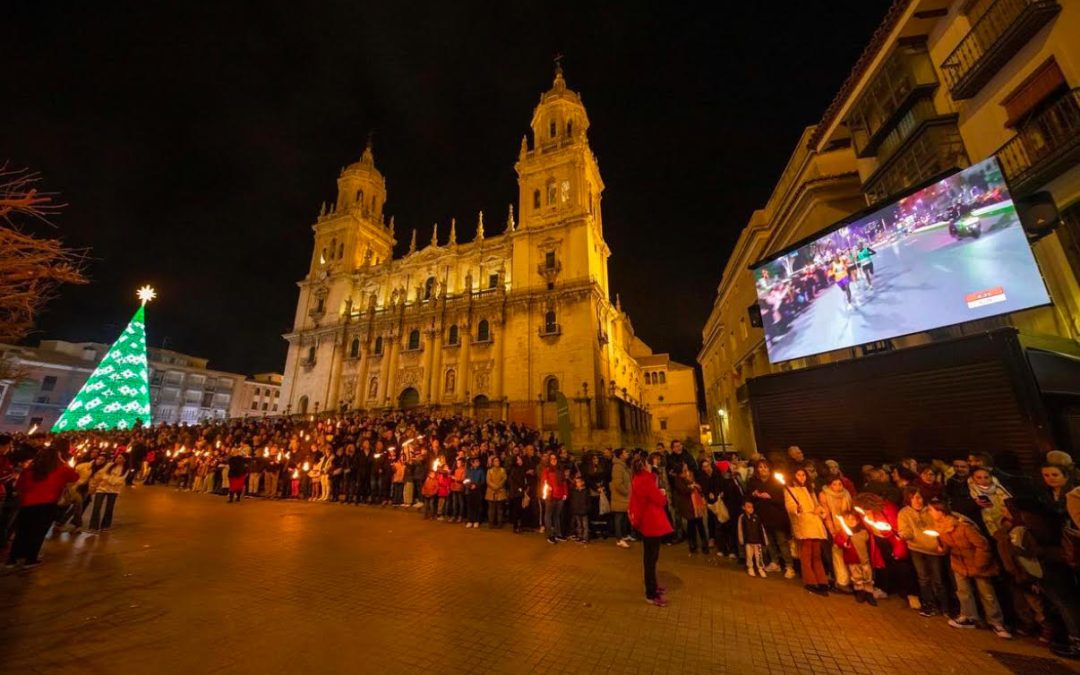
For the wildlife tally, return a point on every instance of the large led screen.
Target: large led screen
(952, 252)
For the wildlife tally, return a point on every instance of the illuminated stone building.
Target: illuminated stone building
(492, 327)
(943, 84)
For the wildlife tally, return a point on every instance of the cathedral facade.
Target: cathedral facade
(494, 327)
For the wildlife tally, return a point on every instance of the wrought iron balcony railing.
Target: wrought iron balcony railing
(1045, 146)
(1000, 32)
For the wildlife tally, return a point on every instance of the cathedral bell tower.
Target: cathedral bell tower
(559, 188)
(352, 232)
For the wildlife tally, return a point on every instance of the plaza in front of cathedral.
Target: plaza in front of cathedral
(292, 586)
(510, 324)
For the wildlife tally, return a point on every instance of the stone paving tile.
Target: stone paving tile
(186, 583)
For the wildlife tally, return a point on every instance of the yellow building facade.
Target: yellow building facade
(493, 327)
(943, 84)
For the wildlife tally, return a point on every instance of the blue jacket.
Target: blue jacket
(476, 477)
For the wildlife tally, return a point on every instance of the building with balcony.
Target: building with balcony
(258, 396)
(42, 381)
(941, 85)
(496, 326)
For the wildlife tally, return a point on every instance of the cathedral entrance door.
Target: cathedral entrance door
(410, 398)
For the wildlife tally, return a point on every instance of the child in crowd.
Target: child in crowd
(579, 510)
(430, 492)
(753, 539)
(457, 493)
(855, 542)
(445, 484)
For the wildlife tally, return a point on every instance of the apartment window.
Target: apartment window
(207, 399)
(378, 346)
(549, 260)
(258, 391)
(265, 406)
(48, 383)
(483, 331)
(493, 281)
(414, 340)
(536, 199)
(354, 348)
(254, 405)
(277, 393)
(454, 335)
(663, 424)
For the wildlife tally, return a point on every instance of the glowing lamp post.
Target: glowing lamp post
(721, 415)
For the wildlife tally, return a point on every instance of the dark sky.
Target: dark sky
(194, 141)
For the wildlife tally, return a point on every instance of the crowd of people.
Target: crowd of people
(963, 540)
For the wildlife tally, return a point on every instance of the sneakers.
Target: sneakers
(468, 525)
(551, 540)
(1001, 632)
(34, 563)
(622, 544)
(729, 555)
(750, 571)
(658, 601)
(789, 573)
(772, 567)
(880, 594)
(962, 622)
(927, 612)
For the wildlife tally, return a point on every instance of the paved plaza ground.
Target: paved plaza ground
(186, 583)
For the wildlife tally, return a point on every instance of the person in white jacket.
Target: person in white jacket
(106, 485)
(808, 528)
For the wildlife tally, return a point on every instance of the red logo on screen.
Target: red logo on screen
(987, 297)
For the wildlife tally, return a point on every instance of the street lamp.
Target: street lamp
(722, 414)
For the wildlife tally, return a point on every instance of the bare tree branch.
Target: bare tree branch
(31, 268)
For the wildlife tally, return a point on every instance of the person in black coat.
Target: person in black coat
(768, 496)
(517, 486)
(238, 468)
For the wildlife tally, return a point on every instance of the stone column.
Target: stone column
(336, 366)
(464, 384)
(359, 396)
(429, 355)
(434, 377)
(393, 374)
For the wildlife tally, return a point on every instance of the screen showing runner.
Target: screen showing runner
(952, 252)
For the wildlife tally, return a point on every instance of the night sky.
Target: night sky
(195, 141)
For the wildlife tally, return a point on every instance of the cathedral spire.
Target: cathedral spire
(435, 235)
(510, 220)
(412, 242)
(453, 231)
(480, 227)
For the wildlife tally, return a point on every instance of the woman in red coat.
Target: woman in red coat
(39, 488)
(648, 514)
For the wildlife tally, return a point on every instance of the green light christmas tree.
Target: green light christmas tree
(117, 395)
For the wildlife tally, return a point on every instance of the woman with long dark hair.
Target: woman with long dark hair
(647, 511)
(39, 488)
